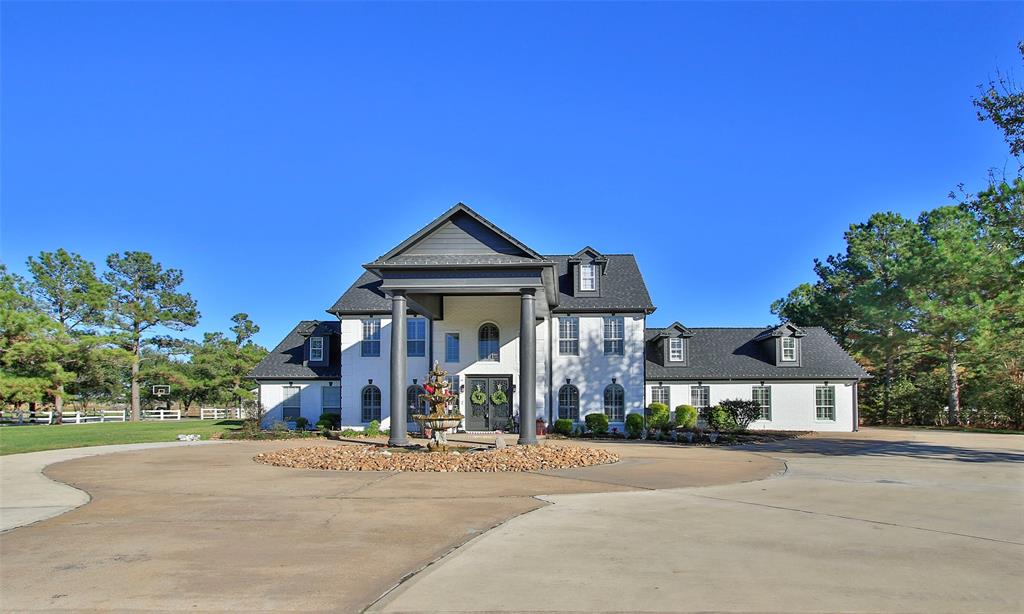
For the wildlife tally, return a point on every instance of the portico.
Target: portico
(461, 257)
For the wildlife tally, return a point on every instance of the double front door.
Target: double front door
(489, 402)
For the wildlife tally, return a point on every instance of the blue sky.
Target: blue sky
(269, 150)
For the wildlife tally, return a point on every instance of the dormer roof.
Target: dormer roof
(782, 330)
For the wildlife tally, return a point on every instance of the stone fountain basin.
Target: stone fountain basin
(439, 423)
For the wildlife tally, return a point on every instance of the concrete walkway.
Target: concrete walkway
(28, 496)
(879, 521)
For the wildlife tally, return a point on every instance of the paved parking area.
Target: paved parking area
(205, 528)
(878, 521)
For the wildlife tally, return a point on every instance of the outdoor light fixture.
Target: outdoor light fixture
(414, 381)
(613, 380)
(700, 383)
(370, 381)
(762, 382)
(826, 382)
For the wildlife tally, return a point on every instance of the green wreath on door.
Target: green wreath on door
(478, 397)
(498, 397)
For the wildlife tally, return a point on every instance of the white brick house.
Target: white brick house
(462, 289)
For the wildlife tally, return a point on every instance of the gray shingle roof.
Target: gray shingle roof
(622, 289)
(732, 353)
(286, 360)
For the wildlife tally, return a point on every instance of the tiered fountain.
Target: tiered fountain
(440, 400)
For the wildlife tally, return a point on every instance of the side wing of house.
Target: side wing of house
(301, 376)
(803, 380)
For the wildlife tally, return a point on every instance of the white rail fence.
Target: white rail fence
(161, 414)
(218, 413)
(68, 417)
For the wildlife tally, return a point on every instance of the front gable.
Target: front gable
(459, 232)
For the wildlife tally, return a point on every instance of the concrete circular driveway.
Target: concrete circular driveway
(877, 521)
(205, 527)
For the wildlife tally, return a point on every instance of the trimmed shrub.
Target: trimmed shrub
(373, 430)
(563, 426)
(597, 423)
(658, 418)
(686, 416)
(741, 412)
(328, 421)
(634, 426)
(719, 419)
(301, 423)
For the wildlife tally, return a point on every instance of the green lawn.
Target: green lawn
(17, 439)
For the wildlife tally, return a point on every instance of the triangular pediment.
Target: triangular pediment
(588, 253)
(460, 233)
(782, 330)
(675, 330)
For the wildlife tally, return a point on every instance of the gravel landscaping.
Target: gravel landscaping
(376, 458)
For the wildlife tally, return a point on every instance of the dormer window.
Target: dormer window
(789, 349)
(588, 278)
(316, 349)
(675, 350)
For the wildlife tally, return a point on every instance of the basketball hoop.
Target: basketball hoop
(161, 390)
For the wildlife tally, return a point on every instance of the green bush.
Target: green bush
(563, 426)
(301, 423)
(328, 421)
(658, 417)
(686, 416)
(373, 430)
(634, 426)
(597, 423)
(741, 412)
(719, 419)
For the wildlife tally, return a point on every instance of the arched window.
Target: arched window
(413, 403)
(615, 403)
(488, 341)
(569, 403)
(371, 404)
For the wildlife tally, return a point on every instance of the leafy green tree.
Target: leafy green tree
(66, 288)
(145, 295)
(1002, 103)
(30, 347)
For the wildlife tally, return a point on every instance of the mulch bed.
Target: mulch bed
(375, 458)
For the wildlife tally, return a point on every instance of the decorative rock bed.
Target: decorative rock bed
(374, 458)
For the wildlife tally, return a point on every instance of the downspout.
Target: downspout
(856, 406)
(341, 391)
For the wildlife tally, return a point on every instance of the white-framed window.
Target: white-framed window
(789, 349)
(370, 405)
(825, 403)
(588, 277)
(661, 394)
(291, 404)
(451, 347)
(416, 337)
(487, 340)
(615, 403)
(569, 336)
(614, 335)
(675, 349)
(370, 345)
(330, 398)
(762, 395)
(316, 349)
(700, 396)
(569, 403)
